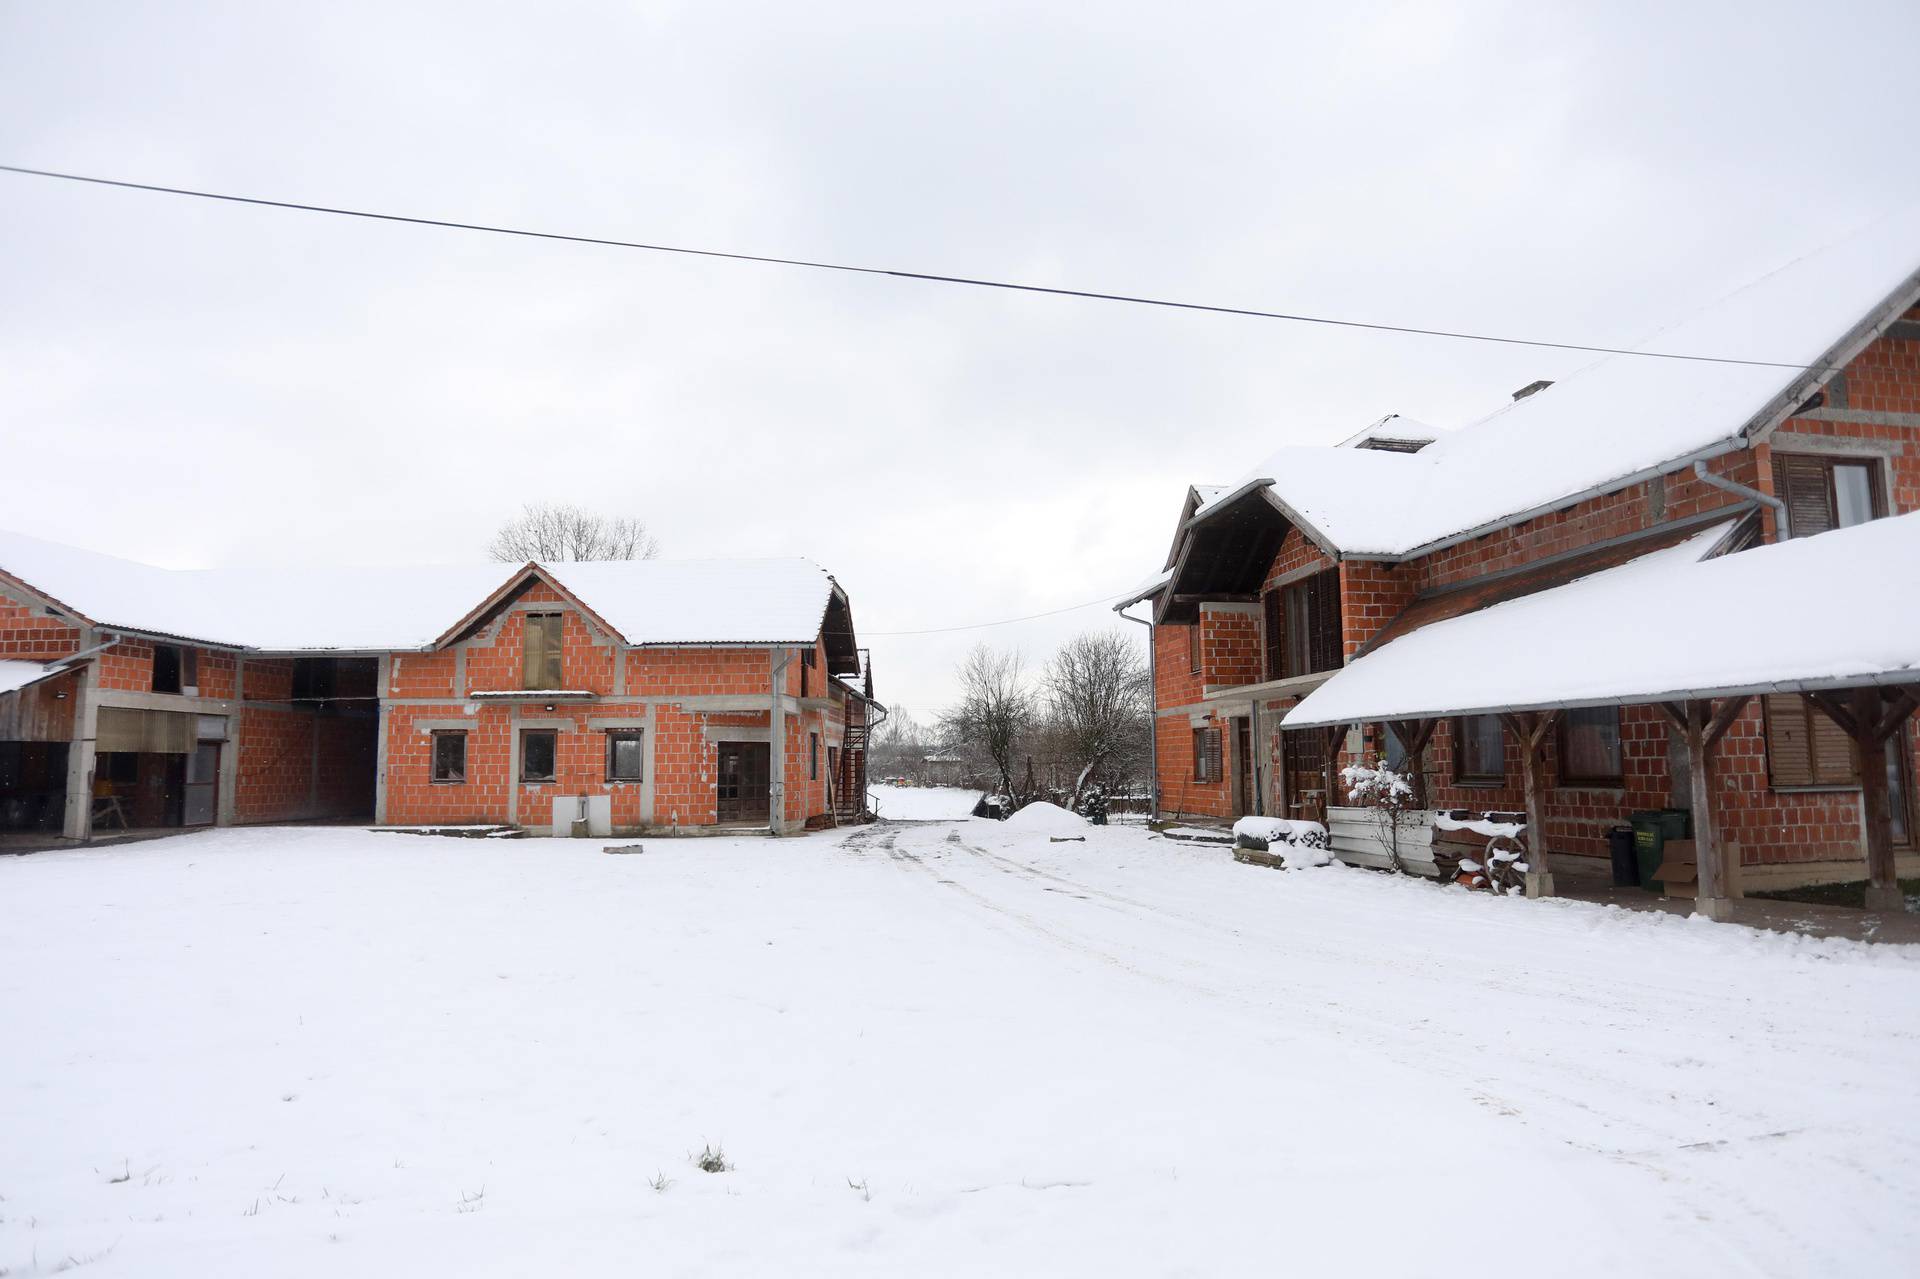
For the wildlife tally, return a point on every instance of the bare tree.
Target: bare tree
(1099, 703)
(995, 711)
(557, 531)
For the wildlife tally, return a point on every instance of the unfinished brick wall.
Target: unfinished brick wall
(1230, 650)
(28, 633)
(1180, 795)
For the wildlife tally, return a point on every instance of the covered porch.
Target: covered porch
(1697, 640)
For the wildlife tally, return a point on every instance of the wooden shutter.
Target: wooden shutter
(1323, 613)
(1215, 769)
(1276, 633)
(1804, 747)
(1805, 486)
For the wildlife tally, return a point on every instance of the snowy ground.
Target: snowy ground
(922, 803)
(927, 1049)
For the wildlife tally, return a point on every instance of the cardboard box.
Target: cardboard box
(1679, 872)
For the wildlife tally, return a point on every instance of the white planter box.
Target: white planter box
(1357, 839)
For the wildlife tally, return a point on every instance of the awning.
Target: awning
(1838, 610)
(16, 675)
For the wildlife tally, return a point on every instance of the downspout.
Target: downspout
(1780, 531)
(1153, 720)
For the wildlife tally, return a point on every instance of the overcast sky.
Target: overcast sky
(194, 383)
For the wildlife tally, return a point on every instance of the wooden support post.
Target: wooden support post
(1702, 726)
(1532, 729)
(1414, 734)
(1869, 717)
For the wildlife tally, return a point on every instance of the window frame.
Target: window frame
(1615, 780)
(550, 657)
(526, 736)
(1790, 476)
(1462, 777)
(638, 736)
(1312, 641)
(1208, 763)
(433, 757)
(1193, 647)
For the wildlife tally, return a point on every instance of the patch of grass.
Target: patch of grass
(1854, 894)
(659, 1183)
(711, 1159)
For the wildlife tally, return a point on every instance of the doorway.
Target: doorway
(744, 771)
(1242, 766)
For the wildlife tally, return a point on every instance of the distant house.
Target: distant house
(644, 696)
(1286, 597)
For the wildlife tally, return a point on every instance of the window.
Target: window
(1396, 750)
(623, 755)
(1310, 625)
(813, 756)
(537, 748)
(1804, 747)
(449, 756)
(167, 666)
(808, 659)
(313, 678)
(1825, 493)
(1590, 746)
(540, 646)
(1479, 749)
(1273, 634)
(1193, 648)
(1206, 755)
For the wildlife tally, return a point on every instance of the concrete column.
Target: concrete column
(777, 744)
(380, 742)
(78, 822)
(228, 796)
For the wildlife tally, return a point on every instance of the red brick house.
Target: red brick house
(643, 696)
(1276, 585)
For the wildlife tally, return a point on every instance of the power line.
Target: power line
(981, 626)
(925, 276)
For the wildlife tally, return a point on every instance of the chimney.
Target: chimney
(1530, 388)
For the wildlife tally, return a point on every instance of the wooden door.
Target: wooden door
(1242, 767)
(744, 771)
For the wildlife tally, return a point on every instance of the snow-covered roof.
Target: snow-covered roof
(1616, 418)
(1150, 586)
(397, 607)
(16, 675)
(1666, 625)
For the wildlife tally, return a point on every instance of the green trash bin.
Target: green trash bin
(1649, 843)
(1676, 823)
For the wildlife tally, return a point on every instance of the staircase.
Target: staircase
(850, 787)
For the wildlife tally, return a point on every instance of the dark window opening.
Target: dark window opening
(813, 756)
(167, 668)
(540, 646)
(624, 763)
(314, 678)
(537, 749)
(1273, 637)
(449, 756)
(1479, 749)
(1590, 747)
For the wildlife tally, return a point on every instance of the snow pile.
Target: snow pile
(1300, 844)
(1479, 826)
(16, 674)
(1042, 818)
